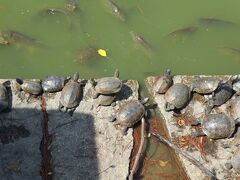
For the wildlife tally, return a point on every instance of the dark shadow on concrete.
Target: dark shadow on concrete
(73, 148)
(125, 93)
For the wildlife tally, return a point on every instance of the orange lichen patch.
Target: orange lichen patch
(196, 142)
(186, 119)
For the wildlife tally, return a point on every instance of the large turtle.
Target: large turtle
(71, 95)
(162, 83)
(128, 114)
(4, 97)
(204, 85)
(177, 96)
(33, 87)
(54, 83)
(216, 126)
(107, 85)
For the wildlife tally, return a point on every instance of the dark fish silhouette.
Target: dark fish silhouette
(86, 54)
(184, 31)
(214, 21)
(116, 10)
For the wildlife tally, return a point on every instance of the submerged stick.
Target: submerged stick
(137, 158)
(185, 154)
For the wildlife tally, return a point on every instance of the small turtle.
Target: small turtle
(54, 83)
(71, 95)
(216, 126)
(204, 85)
(33, 87)
(163, 83)
(235, 107)
(129, 114)
(222, 94)
(106, 100)
(4, 97)
(177, 96)
(107, 85)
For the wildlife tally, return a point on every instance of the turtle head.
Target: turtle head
(76, 76)
(167, 72)
(169, 107)
(19, 81)
(116, 73)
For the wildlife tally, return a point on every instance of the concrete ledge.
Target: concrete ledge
(217, 155)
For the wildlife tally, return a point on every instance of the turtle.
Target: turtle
(162, 83)
(54, 83)
(4, 97)
(235, 107)
(177, 96)
(204, 85)
(106, 100)
(216, 126)
(32, 87)
(71, 95)
(221, 95)
(107, 85)
(128, 114)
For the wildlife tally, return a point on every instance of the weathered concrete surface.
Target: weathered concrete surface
(84, 146)
(217, 155)
(20, 138)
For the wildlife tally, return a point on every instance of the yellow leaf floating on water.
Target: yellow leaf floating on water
(102, 52)
(163, 163)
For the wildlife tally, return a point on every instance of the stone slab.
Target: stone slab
(218, 155)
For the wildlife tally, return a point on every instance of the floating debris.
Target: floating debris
(116, 10)
(102, 52)
(214, 21)
(71, 5)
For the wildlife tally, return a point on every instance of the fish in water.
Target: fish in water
(3, 40)
(214, 21)
(71, 5)
(116, 10)
(86, 54)
(230, 50)
(138, 39)
(18, 37)
(184, 31)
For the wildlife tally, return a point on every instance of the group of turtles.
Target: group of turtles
(104, 91)
(214, 125)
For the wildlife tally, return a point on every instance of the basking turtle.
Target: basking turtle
(107, 85)
(235, 107)
(204, 85)
(33, 87)
(54, 83)
(222, 94)
(163, 83)
(106, 100)
(4, 97)
(129, 114)
(177, 96)
(71, 95)
(216, 126)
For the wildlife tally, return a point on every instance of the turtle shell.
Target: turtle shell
(235, 161)
(105, 100)
(205, 85)
(130, 113)
(70, 95)
(218, 126)
(32, 87)
(178, 95)
(108, 85)
(235, 108)
(4, 101)
(162, 84)
(53, 83)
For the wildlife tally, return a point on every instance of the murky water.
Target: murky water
(200, 47)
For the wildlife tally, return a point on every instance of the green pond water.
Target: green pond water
(211, 49)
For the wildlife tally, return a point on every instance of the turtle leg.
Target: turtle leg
(28, 96)
(169, 107)
(71, 110)
(198, 134)
(95, 95)
(60, 106)
(124, 131)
